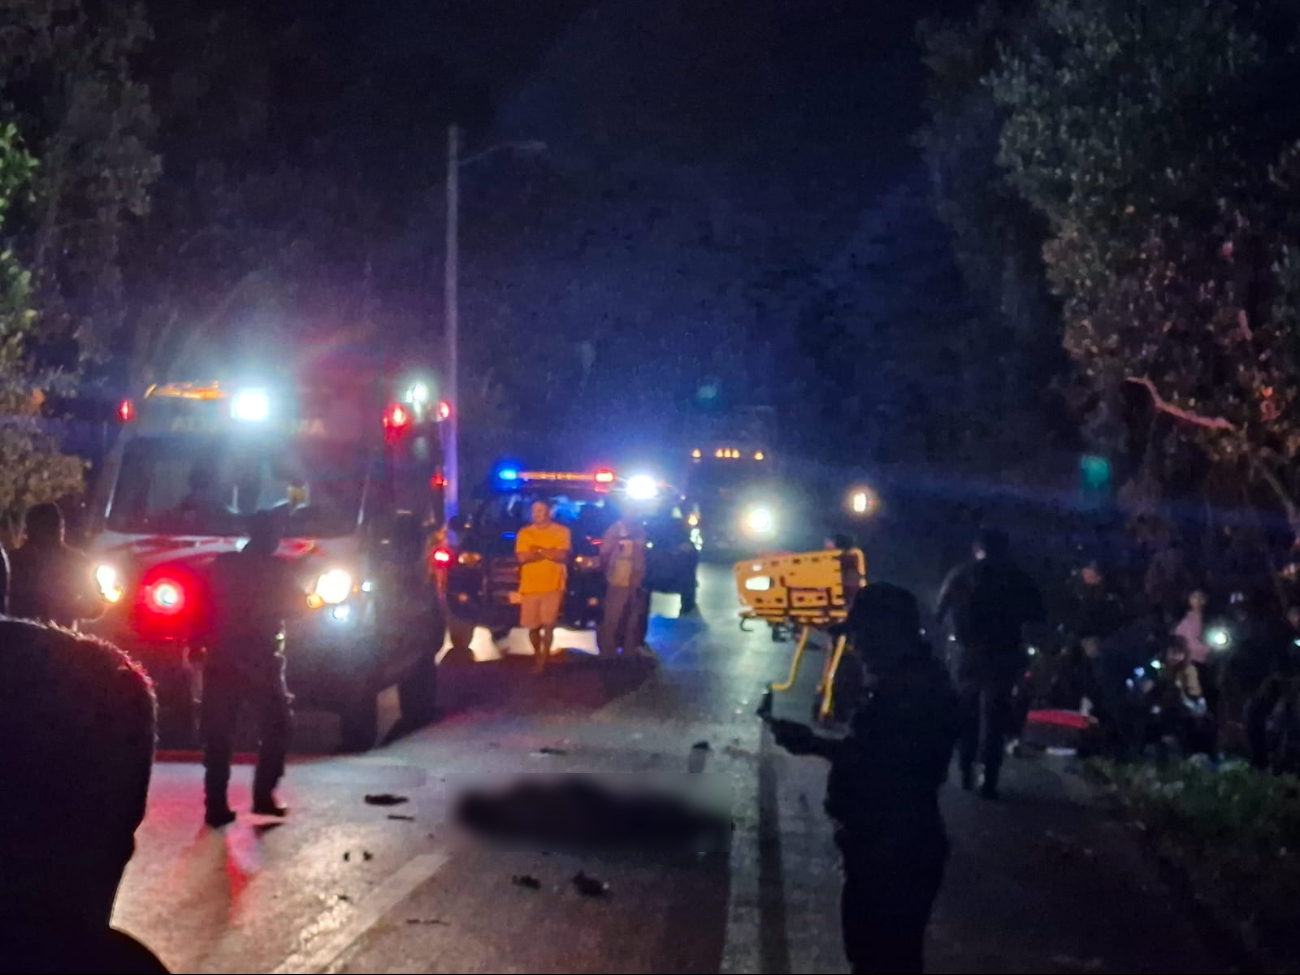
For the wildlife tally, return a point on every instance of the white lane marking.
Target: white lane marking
(327, 946)
(742, 944)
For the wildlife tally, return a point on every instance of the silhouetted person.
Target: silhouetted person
(882, 792)
(991, 602)
(253, 595)
(77, 722)
(50, 580)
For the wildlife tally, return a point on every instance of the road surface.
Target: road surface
(1042, 883)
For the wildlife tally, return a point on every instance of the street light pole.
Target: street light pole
(451, 298)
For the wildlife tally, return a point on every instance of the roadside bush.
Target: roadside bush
(1234, 834)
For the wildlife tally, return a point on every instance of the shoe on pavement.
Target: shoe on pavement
(218, 818)
(267, 806)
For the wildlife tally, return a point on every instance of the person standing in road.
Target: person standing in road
(77, 722)
(991, 602)
(543, 551)
(50, 580)
(623, 557)
(882, 792)
(253, 596)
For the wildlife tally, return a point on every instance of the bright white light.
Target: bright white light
(341, 612)
(642, 487)
(168, 595)
(334, 586)
(860, 502)
(758, 583)
(251, 405)
(368, 586)
(418, 393)
(760, 520)
(1218, 637)
(109, 582)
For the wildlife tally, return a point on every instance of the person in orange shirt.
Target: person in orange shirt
(543, 551)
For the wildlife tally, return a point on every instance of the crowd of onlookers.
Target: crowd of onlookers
(1166, 673)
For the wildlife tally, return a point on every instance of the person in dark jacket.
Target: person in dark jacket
(882, 791)
(77, 722)
(253, 596)
(50, 580)
(991, 602)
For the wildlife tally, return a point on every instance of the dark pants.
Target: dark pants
(224, 694)
(987, 717)
(888, 897)
(622, 627)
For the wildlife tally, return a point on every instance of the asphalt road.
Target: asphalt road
(1044, 882)
(347, 886)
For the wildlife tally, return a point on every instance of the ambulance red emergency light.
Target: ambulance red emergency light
(351, 459)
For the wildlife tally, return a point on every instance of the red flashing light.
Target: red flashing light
(442, 556)
(126, 411)
(397, 418)
(438, 482)
(604, 477)
(444, 410)
(165, 597)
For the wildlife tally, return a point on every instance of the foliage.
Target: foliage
(1235, 834)
(1154, 138)
(67, 75)
(32, 469)
(1010, 340)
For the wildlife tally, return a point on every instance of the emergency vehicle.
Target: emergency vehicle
(742, 505)
(482, 574)
(351, 455)
(481, 571)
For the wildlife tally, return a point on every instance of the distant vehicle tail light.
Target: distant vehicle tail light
(604, 477)
(126, 411)
(442, 556)
(444, 410)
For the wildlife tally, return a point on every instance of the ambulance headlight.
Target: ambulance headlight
(109, 582)
(251, 405)
(334, 586)
(760, 520)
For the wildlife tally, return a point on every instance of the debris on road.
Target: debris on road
(367, 855)
(549, 750)
(401, 819)
(426, 920)
(347, 856)
(386, 799)
(701, 746)
(589, 886)
(527, 881)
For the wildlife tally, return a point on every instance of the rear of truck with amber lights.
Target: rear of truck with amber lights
(349, 460)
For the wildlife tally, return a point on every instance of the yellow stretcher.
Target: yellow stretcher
(807, 591)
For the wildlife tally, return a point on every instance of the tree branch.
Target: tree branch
(1162, 405)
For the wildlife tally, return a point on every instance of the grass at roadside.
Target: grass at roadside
(1234, 836)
